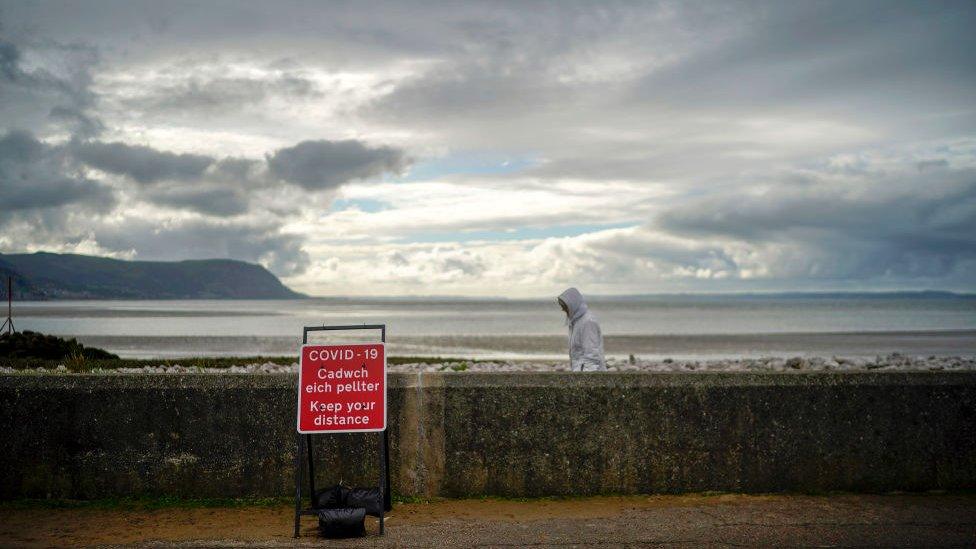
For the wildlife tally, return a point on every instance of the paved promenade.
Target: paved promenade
(656, 521)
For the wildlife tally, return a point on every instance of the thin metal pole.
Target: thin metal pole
(311, 470)
(387, 493)
(298, 483)
(383, 488)
(308, 439)
(9, 323)
(384, 461)
(299, 470)
(344, 328)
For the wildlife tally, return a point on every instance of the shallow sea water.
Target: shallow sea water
(648, 327)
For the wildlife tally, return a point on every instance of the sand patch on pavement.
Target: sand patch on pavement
(89, 527)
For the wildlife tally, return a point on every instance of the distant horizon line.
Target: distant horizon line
(740, 294)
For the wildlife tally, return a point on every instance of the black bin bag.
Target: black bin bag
(367, 498)
(332, 497)
(346, 522)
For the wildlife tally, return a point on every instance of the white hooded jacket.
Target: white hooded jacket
(585, 337)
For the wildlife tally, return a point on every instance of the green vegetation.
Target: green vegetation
(31, 350)
(169, 502)
(421, 360)
(30, 345)
(144, 503)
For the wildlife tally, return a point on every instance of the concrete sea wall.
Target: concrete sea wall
(512, 434)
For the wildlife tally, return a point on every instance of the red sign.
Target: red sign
(342, 388)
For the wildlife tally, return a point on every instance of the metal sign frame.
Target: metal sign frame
(305, 444)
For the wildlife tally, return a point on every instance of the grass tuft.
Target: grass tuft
(144, 503)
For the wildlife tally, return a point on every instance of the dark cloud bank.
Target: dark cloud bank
(47, 187)
(40, 184)
(328, 164)
(34, 175)
(882, 229)
(507, 76)
(37, 176)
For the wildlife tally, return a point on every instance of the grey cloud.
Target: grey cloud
(659, 92)
(200, 239)
(35, 96)
(210, 200)
(143, 164)
(511, 69)
(618, 249)
(870, 212)
(44, 201)
(343, 35)
(255, 241)
(222, 187)
(857, 58)
(310, 164)
(42, 186)
(33, 176)
(201, 94)
(397, 259)
(437, 264)
(882, 228)
(932, 164)
(892, 68)
(328, 164)
(9, 61)
(635, 253)
(241, 171)
(465, 263)
(466, 90)
(83, 125)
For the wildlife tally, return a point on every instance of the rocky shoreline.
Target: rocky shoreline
(891, 362)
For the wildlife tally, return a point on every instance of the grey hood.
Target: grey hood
(574, 304)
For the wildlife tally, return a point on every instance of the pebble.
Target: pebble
(796, 363)
(891, 362)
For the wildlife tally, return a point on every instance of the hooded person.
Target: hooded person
(585, 337)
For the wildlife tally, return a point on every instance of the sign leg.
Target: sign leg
(384, 489)
(311, 468)
(387, 493)
(299, 473)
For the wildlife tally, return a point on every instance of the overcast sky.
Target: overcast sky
(500, 149)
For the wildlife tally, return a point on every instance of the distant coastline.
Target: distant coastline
(46, 276)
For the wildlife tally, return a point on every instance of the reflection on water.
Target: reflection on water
(660, 326)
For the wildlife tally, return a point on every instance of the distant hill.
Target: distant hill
(43, 276)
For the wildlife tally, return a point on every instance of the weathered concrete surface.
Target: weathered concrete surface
(518, 434)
